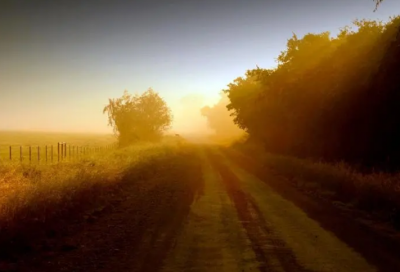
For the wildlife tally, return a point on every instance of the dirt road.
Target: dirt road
(204, 212)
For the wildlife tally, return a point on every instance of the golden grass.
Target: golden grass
(24, 139)
(35, 197)
(376, 193)
(52, 138)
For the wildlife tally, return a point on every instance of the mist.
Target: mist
(187, 117)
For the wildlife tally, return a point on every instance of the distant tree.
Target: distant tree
(220, 119)
(138, 117)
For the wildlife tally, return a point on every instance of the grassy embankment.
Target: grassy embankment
(37, 200)
(376, 195)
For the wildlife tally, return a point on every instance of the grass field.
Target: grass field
(8, 138)
(17, 139)
(35, 198)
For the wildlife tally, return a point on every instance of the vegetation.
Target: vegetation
(220, 120)
(378, 194)
(26, 138)
(327, 115)
(37, 199)
(138, 117)
(329, 98)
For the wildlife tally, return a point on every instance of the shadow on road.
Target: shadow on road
(264, 242)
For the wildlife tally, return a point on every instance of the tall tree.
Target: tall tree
(319, 101)
(138, 117)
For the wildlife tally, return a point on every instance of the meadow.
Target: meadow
(8, 138)
(38, 198)
(18, 140)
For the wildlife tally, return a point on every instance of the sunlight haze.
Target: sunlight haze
(61, 62)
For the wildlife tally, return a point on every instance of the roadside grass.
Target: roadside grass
(37, 200)
(377, 194)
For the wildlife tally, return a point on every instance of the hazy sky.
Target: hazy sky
(61, 60)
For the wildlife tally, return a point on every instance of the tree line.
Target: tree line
(329, 98)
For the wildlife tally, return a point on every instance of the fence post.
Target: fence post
(46, 153)
(51, 153)
(38, 154)
(10, 153)
(20, 153)
(62, 151)
(65, 150)
(58, 151)
(30, 154)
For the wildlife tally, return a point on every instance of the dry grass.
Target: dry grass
(376, 193)
(36, 198)
(52, 138)
(24, 139)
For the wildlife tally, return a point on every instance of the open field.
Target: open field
(25, 138)
(22, 140)
(36, 199)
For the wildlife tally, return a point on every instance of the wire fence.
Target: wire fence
(50, 153)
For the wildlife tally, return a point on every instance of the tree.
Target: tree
(330, 98)
(138, 117)
(220, 119)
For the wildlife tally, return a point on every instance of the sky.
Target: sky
(60, 60)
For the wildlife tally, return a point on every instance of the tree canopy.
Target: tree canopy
(138, 117)
(334, 98)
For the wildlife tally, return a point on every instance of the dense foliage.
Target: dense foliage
(138, 117)
(330, 98)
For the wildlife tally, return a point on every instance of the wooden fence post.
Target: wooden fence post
(58, 151)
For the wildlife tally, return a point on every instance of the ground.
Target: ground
(210, 211)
